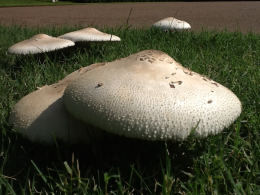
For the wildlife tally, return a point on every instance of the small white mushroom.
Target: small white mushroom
(172, 23)
(39, 44)
(89, 34)
(41, 116)
(148, 95)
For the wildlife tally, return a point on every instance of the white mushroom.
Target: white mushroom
(39, 44)
(89, 34)
(172, 23)
(41, 116)
(150, 96)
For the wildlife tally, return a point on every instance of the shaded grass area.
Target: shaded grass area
(14, 3)
(226, 164)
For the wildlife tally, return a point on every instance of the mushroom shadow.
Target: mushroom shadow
(56, 55)
(109, 150)
(95, 49)
(56, 124)
(111, 153)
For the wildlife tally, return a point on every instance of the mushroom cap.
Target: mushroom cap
(39, 44)
(41, 116)
(172, 23)
(89, 34)
(151, 97)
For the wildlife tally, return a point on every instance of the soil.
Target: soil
(232, 16)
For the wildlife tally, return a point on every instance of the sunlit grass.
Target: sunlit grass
(224, 164)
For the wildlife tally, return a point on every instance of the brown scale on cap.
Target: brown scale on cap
(153, 56)
(175, 82)
(204, 79)
(172, 84)
(149, 58)
(99, 85)
(188, 72)
(214, 83)
(210, 101)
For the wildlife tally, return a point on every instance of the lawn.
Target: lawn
(227, 163)
(11, 3)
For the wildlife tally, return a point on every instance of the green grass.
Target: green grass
(224, 164)
(15, 3)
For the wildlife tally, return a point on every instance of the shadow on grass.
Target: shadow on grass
(86, 49)
(129, 159)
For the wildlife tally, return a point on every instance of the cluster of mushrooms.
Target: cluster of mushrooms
(42, 43)
(152, 97)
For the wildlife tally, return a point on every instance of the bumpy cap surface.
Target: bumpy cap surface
(172, 23)
(150, 96)
(89, 34)
(41, 116)
(39, 44)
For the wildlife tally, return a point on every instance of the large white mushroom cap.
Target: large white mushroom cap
(39, 44)
(150, 96)
(172, 23)
(89, 34)
(41, 116)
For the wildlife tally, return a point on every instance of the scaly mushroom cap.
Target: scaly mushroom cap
(89, 34)
(150, 96)
(41, 116)
(172, 23)
(39, 44)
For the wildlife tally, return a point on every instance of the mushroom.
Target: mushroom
(41, 116)
(148, 95)
(39, 44)
(172, 23)
(89, 34)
